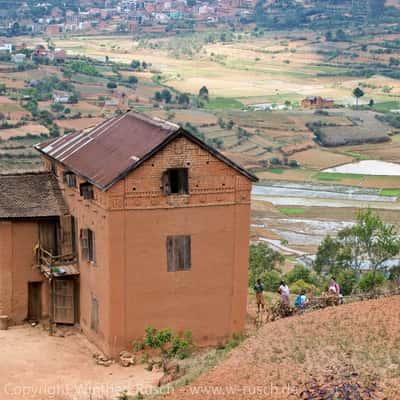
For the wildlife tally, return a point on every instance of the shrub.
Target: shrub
(300, 272)
(370, 280)
(263, 265)
(169, 344)
(111, 85)
(347, 280)
(300, 285)
(271, 279)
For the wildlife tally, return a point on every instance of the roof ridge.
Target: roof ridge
(152, 120)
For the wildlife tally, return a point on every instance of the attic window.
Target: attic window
(176, 181)
(70, 179)
(86, 190)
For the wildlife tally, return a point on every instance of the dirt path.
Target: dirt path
(36, 366)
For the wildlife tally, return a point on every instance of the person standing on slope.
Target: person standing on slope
(259, 289)
(285, 293)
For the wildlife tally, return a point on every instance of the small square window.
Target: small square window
(70, 179)
(176, 181)
(179, 253)
(86, 190)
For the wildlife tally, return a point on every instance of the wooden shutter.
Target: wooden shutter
(48, 236)
(170, 254)
(183, 180)
(64, 306)
(92, 245)
(166, 183)
(94, 316)
(179, 253)
(70, 179)
(67, 227)
(85, 244)
(187, 258)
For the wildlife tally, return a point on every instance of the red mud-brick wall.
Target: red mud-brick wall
(17, 268)
(94, 277)
(210, 299)
(131, 222)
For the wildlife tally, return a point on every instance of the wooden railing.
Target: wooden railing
(47, 259)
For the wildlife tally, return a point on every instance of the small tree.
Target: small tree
(133, 80)
(166, 95)
(370, 241)
(203, 93)
(357, 93)
(183, 99)
(135, 64)
(263, 260)
(111, 85)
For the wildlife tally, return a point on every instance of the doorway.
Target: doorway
(48, 236)
(34, 301)
(64, 301)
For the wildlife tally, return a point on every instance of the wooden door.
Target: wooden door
(48, 236)
(68, 235)
(64, 305)
(34, 301)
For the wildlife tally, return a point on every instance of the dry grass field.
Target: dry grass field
(356, 343)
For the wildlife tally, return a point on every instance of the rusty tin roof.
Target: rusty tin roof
(109, 151)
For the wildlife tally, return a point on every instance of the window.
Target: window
(86, 190)
(178, 253)
(88, 245)
(70, 179)
(94, 315)
(175, 181)
(54, 167)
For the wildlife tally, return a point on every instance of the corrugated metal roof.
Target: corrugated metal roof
(30, 195)
(107, 152)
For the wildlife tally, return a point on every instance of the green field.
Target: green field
(292, 210)
(390, 192)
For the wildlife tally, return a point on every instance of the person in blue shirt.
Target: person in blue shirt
(259, 289)
(301, 300)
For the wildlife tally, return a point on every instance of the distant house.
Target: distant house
(53, 30)
(6, 47)
(18, 58)
(40, 51)
(111, 102)
(61, 97)
(136, 223)
(58, 55)
(317, 102)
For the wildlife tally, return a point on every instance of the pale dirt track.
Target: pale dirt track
(35, 366)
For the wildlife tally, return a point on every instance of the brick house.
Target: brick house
(152, 230)
(317, 102)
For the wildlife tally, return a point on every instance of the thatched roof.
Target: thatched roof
(30, 195)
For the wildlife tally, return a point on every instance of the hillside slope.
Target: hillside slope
(355, 347)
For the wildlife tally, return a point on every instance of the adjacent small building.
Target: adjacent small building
(149, 227)
(317, 102)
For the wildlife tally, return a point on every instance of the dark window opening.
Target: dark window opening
(88, 244)
(70, 179)
(86, 190)
(179, 253)
(176, 181)
(54, 167)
